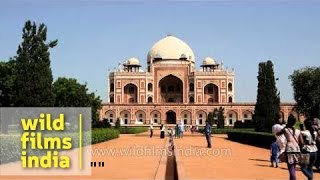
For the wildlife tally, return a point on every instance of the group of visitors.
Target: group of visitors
(296, 146)
(177, 133)
(179, 130)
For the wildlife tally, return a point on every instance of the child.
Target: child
(274, 154)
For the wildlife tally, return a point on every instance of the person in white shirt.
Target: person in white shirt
(151, 130)
(309, 136)
(181, 129)
(281, 139)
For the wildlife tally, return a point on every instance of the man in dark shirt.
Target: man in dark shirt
(207, 132)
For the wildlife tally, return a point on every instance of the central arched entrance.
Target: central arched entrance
(171, 89)
(171, 117)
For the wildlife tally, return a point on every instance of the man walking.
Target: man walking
(151, 130)
(207, 132)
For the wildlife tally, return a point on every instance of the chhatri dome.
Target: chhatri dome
(208, 61)
(171, 47)
(133, 61)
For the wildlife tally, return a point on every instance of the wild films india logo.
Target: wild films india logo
(48, 141)
(51, 144)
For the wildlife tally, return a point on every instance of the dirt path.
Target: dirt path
(228, 160)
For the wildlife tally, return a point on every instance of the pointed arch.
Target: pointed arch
(171, 89)
(211, 93)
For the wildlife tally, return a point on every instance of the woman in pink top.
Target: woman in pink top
(294, 138)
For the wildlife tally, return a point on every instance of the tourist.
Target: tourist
(151, 130)
(309, 135)
(181, 129)
(274, 153)
(280, 139)
(294, 138)
(316, 126)
(177, 129)
(162, 132)
(193, 129)
(207, 132)
(170, 132)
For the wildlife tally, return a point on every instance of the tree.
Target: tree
(7, 79)
(267, 107)
(34, 76)
(210, 118)
(117, 125)
(219, 114)
(69, 93)
(7, 88)
(306, 87)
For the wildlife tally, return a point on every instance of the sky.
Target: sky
(95, 36)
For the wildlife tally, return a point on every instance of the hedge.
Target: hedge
(10, 149)
(103, 134)
(132, 130)
(224, 130)
(246, 124)
(259, 139)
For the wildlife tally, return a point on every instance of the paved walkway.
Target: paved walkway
(227, 160)
(128, 157)
(137, 157)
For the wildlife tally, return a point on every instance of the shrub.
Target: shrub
(238, 124)
(10, 149)
(101, 124)
(117, 126)
(101, 135)
(246, 124)
(132, 130)
(259, 139)
(221, 118)
(106, 123)
(210, 118)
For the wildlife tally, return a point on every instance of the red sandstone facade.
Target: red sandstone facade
(172, 90)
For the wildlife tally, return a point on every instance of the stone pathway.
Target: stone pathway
(140, 157)
(227, 160)
(128, 157)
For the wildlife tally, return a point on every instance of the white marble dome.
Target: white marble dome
(208, 61)
(171, 47)
(133, 61)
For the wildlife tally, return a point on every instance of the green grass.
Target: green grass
(132, 130)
